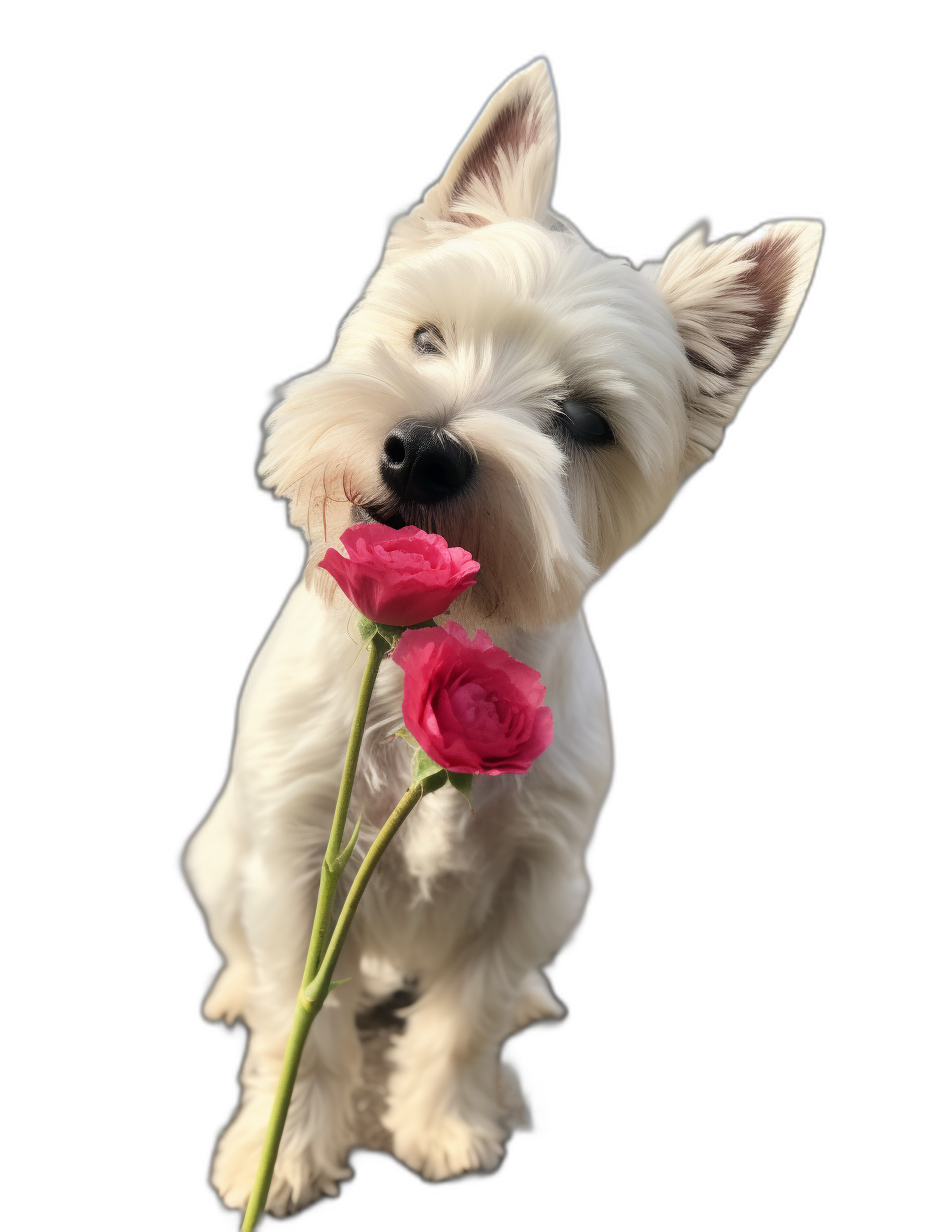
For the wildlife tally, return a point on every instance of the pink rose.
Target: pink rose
(471, 706)
(399, 577)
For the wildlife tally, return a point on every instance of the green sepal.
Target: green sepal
(369, 630)
(461, 783)
(424, 769)
(337, 866)
(391, 634)
(428, 773)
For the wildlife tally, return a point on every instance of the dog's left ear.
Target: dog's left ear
(734, 303)
(504, 167)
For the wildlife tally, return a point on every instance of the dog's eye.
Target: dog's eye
(581, 423)
(589, 423)
(428, 340)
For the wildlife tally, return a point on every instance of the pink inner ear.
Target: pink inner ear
(768, 279)
(512, 131)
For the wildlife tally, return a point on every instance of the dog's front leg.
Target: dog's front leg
(213, 861)
(280, 887)
(448, 1107)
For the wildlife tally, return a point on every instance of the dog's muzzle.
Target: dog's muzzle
(422, 464)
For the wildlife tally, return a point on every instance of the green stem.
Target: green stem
(328, 878)
(315, 993)
(317, 978)
(310, 1002)
(302, 1021)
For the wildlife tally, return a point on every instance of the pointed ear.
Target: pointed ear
(734, 303)
(504, 167)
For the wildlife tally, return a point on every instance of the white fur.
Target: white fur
(471, 907)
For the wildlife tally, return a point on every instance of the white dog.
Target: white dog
(538, 403)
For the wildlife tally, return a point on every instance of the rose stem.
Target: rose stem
(307, 1007)
(315, 993)
(328, 879)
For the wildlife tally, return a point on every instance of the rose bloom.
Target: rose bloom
(472, 707)
(399, 577)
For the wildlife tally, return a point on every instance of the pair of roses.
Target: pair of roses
(472, 707)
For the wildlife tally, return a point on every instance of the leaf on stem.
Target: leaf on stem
(337, 866)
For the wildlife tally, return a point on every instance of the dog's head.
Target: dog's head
(531, 399)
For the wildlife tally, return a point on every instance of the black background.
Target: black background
(249, 189)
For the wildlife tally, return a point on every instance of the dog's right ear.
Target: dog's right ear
(504, 167)
(734, 303)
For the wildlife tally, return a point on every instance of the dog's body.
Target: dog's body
(579, 393)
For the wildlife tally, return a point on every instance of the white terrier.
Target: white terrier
(538, 403)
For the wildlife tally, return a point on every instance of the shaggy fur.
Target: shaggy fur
(467, 908)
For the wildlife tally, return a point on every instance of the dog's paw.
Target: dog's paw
(297, 1179)
(536, 1002)
(447, 1147)
(225, 1001)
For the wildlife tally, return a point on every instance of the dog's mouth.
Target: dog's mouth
(427, 517)
(378, 513)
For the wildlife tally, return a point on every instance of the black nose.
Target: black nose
(423, 464)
